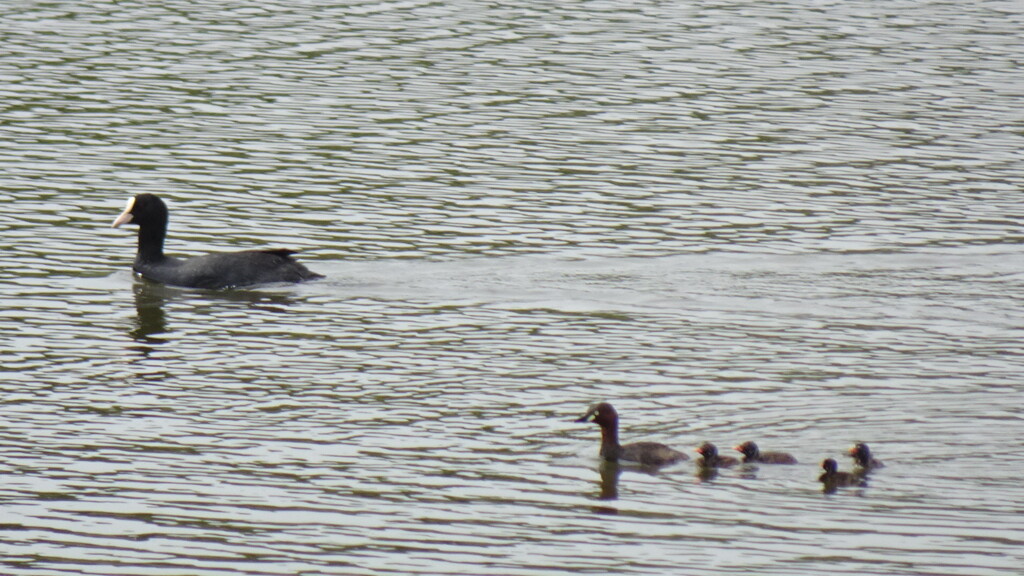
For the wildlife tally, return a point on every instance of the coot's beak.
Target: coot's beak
(852, 451)
(125, 216)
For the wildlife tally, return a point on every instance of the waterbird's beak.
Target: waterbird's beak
(738, 448)
(586, 417)
(125, 216)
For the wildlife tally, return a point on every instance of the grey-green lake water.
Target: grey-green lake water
(791, 222)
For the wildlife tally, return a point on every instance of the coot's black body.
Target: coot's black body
(213, 271)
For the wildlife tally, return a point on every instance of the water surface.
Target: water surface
(792, 222)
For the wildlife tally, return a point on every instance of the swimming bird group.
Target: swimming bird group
(254, 267)
(654, 454)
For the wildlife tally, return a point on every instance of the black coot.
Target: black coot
(213, 271)
(645, 453)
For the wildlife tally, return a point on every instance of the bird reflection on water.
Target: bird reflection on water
(609, 487)
(149, 328)
(150, 320)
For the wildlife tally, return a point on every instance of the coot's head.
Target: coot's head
(829, 465)
(708, 451)
(603, 414)
(143, 209)
(749, 449)
(860, 452)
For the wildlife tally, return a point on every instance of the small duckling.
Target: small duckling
(752, 454)
(711, 459)
(862, 457)
(832, 478)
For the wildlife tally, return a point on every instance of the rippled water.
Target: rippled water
(792, 222)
